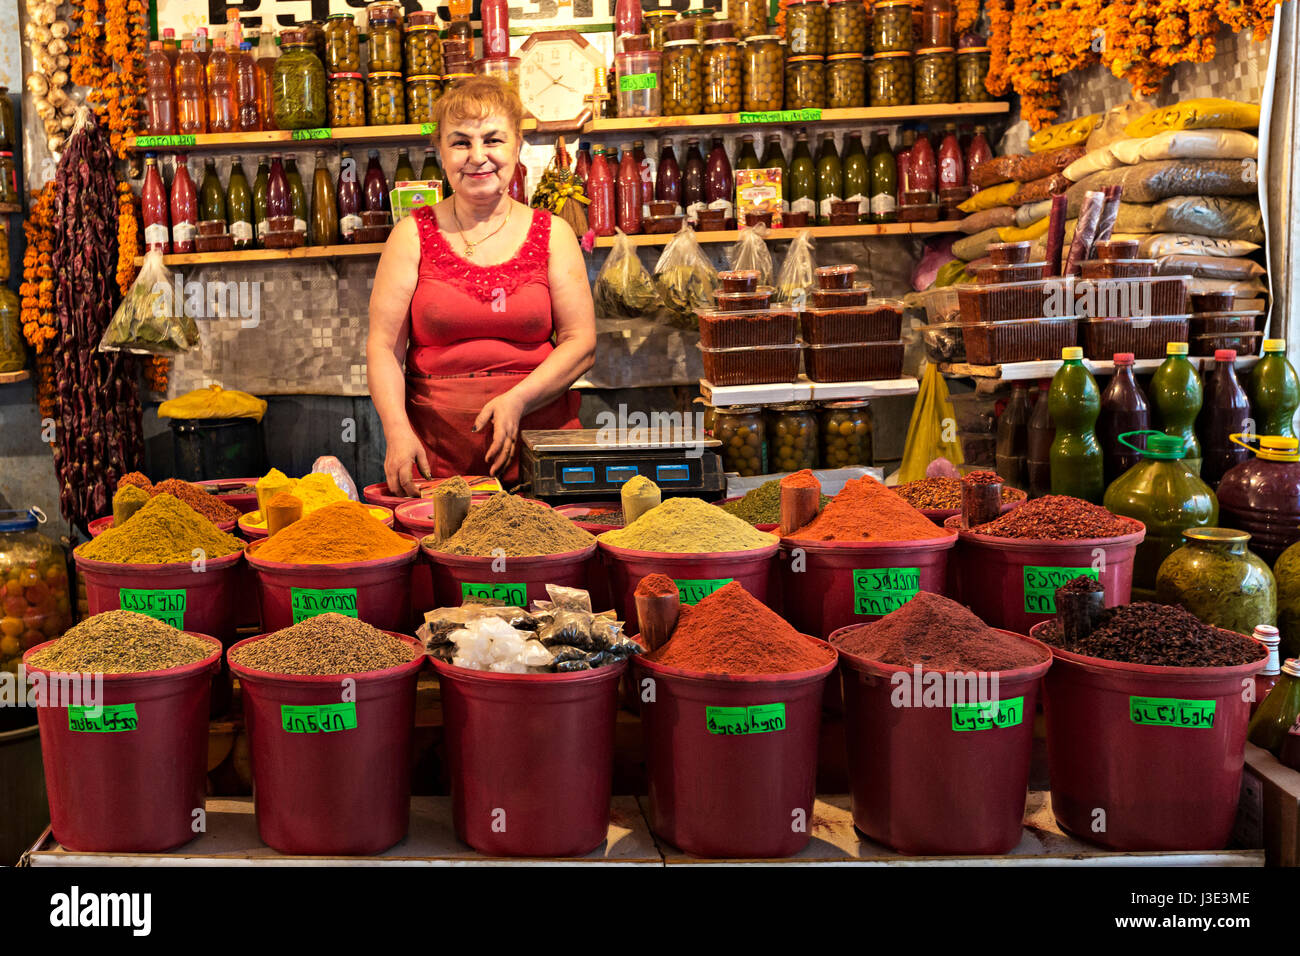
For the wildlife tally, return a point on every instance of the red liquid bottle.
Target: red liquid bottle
(184, 208)
(153, 209)
(582, 164)
(375, 187)
(348, 193)
(629, 194)
(1223, 413)
(923, 172)
(977, 152)
(646, 172)
(719, 184)
(278, 200)
(519, 184)
(693, 181)
(1123, 409)
(668, 185)
(952, 166)
(903, 162)
(600, 190)
(627, 21)
(160, 91)
(495, 15)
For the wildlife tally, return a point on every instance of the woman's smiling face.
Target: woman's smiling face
(479, 157)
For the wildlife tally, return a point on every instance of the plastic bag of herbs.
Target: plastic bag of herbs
(151, 319)
(686, 280)
(624, 289)
(796, 276)
(751, 252)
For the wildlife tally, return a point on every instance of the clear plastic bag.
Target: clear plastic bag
(751, 252)
(151, 319)
(685, 279)
(797, 271)
(1231, 268)
(624, 289)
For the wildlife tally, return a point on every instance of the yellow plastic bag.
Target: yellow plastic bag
(1070, 133)
(1028, 233)
(932, 432)
(214, 402)
(1208, 113)
(990, 197)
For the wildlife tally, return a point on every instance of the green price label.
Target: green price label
(108, 719)
(169, 139)
(428, 129)
(782, 116)
(516, 595)
(734, 721)
(1041, 584)
(638, 81)
(308, 602)
(317, 718)
(990, 715)
(165, 606)
(1172, 712)
(323, 132)
(881, 590)
(694, 591)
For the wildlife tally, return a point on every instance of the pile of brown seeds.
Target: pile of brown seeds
(121, 642)
(323, 645)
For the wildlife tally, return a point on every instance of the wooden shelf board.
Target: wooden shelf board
(864, 114)
(818, 232)
(270, 255)
(345, 135)
(8, 378)
(9, 208)
(804, 390)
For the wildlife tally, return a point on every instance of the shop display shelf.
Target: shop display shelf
(8, 378)
(862, 114)
(10, 208)
(303, 139)
(804, 389)
(1033, 371)
(297, 253)
(863, 230)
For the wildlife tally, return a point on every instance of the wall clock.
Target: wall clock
(558, 71)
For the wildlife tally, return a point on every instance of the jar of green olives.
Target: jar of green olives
(805, 27)
(347, 99)
(846, 81)
(384, 38)
(342, 44)
(423, 49)
(848, 27)
(697, 18)
(722, 76)
(891, 26)
(653, 22)
(298, 84)
(683, 71)
(891, 80)
(385, 101)
(805, 83)
(749, 16)
(935, 75)
(740, 429)
(792, 436)
(846, 434)
(421, 93)
(315, 30)
(764, 73)
(972, 71)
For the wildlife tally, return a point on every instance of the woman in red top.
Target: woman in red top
(484, 301)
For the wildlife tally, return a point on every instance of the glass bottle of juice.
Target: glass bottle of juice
(859, 186)
(803, 180)
(212, 198)
(922, 170)
(668, 183)
(297, 196)
(746, 157)
(1075, 403)
(404, 173)
(430, 171)
(1040, 435)
(977, 151)
(830, 178)
(884, 180)
(903, 163)
(1123, 409)
(154, 213)
(222, 111)
(184, 208)
(629, 194)
(720, 184)
(693, 181)
(646, 169)
(375, 185)
(278, 200)
(267, 52)
(348, 196)
(582, 162)
(239, 207)
(160, 91)
(952, 165)
(1278, 711)
(324, 207)
(191, 91)
(1225, 412)
(1267, 676)
(1176, 397)
(261, 182)
(1275, 391)
(248, 116)
(600, 190)
(774, 158)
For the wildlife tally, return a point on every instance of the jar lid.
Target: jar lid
(698, 12)
(20, 520)
(848, 403)
(805, 59)
(681, 43)
(340, 16)
(508, 60)
(764, 36)
(886, 56)
(934, 49)
(716, 40)
(457, 76)
(795, 3)
(385, 75)
(792, 407)
(973, 49)
(658, 13)
(346, 76)
(1217, 535)
(844, 56)
(422, 77)
(738, 409)
(892, 3)
(413, 27)
(422, 18)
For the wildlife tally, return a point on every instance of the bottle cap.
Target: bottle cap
(1275, 345)
(1176, 348)
(1169, 447)
(1072, 353)
(168, 33)
(155, 45)
(1266, 633)
(1123, 358)
(1277, 448)
(1225, 355)
(1292, 667)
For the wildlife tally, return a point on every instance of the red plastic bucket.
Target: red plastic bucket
(531, 758)
(254, 533)
(1130, 785)
(1011, 583)
(578, 513)
(378, 590)
(697, 575)
(345, 791)
(760, 527)
(725, 795)
(131, 791)
(100, 525)
(243, 501)
(457, 576)
(919, 784)
(415, 515)
(378, 493)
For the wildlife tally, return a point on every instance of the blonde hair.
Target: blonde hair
(477, 98)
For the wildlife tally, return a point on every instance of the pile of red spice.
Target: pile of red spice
(210, 506)
(868, 511)
(729, 632)
(940, 635)
(1058, 517)
(803, 478)
(656, 585)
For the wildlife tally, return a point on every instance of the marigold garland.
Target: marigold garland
(90, 64)
(37, 289)
(128, 237)
(967, 12)
(126, 40)
(157, 372)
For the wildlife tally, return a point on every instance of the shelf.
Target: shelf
(296, 139)
(8, 378)
(817, 232)
(804, 390)
(270, 255)
(10, 208)
(863, 114)
(1032, 371)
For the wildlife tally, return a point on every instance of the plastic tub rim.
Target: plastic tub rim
(866, 665)
(1101, 665)
(703, 678)
(471, 561)
(300, 680)
(184, 670)
(291, 568)
(219, 563)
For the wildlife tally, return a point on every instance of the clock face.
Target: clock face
(556, 78)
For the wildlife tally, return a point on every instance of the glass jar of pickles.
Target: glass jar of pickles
(722, 76)
(384, 38)
(764, 73)
(421, 93)
(13, 353)
(342, 44)
(347, 99)
(741, 431)
(385, 100)
(935, 75)
(683, 71)
(891, 26)
(34, 576)
(805, 27)
(846, 81)
(749, 16)
(298, 84)
(504, 68)
(792, 436)
(846, 429)
(805, 83)
(890, 82)
(972, 71)
(653, 22)
(697, 18)
(848, 27)
(8, 179)
(423, 49)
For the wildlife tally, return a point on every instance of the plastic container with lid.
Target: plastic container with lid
(972, 72)
(347, 100)
(385, 99)
(840, 298)
(683, 78)
(891, 26)
(1016, 300)
(1017, 340)
(38, 604)
(1012, 272)
(881, 320)
(806, 27)
(504, 68)
(863, 362)
(743, 329)
(742, 280)
(751, 365)
(384, 37)
(934, 75)
(1009, 253)
(846, 78)
(805, 82)
(1262, 496)
(890, 82)
(422, 46)
(298, 84)
(764, 73)
(846, 432)
(1116, 268)
(422, 92)
(1115, 249)
(640, 92)
(743, 434)
(1146, 338)
(755, 301)
(749, 17)
(836, 276)
(791, 436)
(342, 44)
(847, 27)
(723, 76)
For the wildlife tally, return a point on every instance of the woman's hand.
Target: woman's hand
(404, 449)
(504, 412)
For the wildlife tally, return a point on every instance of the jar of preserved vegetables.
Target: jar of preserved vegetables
(653, 22)
(421, 93)
(423, 49)
(34, 572)
(749, 16)
(805, 27)
(891, 80)
(805, 83)
(891, 26)
(972, 71)
(315, 30)
(846, 81)
(13, 355)
(792, 436)
(342, 44)
(8, 178)
(504, 68)
(848, 27)
(722, 76)
(846, 429)
(4, 249)
(743, 436)
(683, 78)
(698, 18)
(347, 99)
(764, 73)
(385, 101)
(935, 75)
(298, 84)
(1219, 580)
(384, 38)
(8, 127)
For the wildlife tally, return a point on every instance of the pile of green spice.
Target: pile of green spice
(762, 505)
(519, 526)
(164, 531)
(688, 526)
(1162, 635)
(944, 494)
(121, 642)
(324, 645)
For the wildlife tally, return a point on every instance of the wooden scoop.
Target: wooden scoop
(657, 615)
(449, 511)
(279, 517)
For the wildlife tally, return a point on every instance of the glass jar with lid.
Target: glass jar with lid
(890, 82)
(385, 99)
(934, 75)
(342, 44)
(936, 23)
(422, 92)
(846, 81)
(972, 71)
(298, 84)
(8, 127)
(764, 61)
(640, 92)
(846, 429)
(741, 431)
(792, 436)
(683, 70)
(384, 37)
(749, 16)
(347, 100)
(34, 569)
(891, 26)
(805, 27)
(847, 27)
(8, 178)
(423, 49)
(698, 18)
(13, 354)
(1216, 577)
(315, 30)
(805, 83)
(723, 73)
(4, 249)
(653, 22)
(504, 68)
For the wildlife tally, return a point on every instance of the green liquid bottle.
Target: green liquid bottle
(1176, 398)
(830, 178)
(261, 182)
(803, 180)
(1275, 392)
(746, 158)
(212, 198)
(404, 173)
(773, 158)
(1075, 402)
(431, 171)
(297, 196)
(857, 174)
(239, 207)
(1278, 711)
(884, 180)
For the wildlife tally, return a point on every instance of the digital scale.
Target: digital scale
(588, 464)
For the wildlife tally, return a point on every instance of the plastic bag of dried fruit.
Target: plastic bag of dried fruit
(685, 278)
(751, 252)
(796, 275)
(151, 319)
(624, 289)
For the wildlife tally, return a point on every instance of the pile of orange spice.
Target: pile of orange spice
(343, 531)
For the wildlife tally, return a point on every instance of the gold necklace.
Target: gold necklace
(471, 246)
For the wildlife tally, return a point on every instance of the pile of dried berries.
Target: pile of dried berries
(1058, 517)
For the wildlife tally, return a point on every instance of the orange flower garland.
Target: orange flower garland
(37, 289)
(126, 38)
(90, 65)
(157, 371)
(968, 11)
(128, 237)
